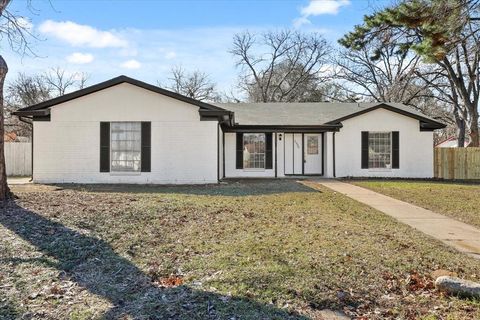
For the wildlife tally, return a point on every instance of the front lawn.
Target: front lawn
(457, 200)
(245, 250)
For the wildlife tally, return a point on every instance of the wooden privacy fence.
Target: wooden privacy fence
(18, 158)
(457, 163)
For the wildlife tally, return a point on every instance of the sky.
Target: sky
(145, 39)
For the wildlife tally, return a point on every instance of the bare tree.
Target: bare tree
(463, 69)
(26, 90)
(61, 81)
(444, 92)
(381, 73)
(196, 85)
(15, 32)
(280, 65)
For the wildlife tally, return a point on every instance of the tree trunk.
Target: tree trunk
(474, 134)
(461, 125)
(4, 190)
(461, 131)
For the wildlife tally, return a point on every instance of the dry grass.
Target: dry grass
(457, 200)
(246, 250)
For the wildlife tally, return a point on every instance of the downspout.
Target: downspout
(218, 152)
(223, 154)
(30, 123)
(275, 155)
(333, 138)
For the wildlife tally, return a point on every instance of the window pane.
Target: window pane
(126, 146)
(312, 144)
(379, 150)
(254, 151)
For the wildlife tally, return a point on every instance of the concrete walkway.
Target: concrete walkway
(459, 235)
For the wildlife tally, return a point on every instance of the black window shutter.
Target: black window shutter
(364, 149)
(104, 146)
(146, 155)
(395, 150)
(239, 152)
(269, 151)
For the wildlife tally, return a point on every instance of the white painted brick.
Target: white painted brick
(184, 149)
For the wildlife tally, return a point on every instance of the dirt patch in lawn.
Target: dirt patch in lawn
(456, 200)
(252, 250)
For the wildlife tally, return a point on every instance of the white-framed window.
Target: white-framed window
(125, 146)
(379, 150)
(254, 151)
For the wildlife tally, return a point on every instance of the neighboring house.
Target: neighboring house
(452, 142)
(128, 131)
(12, 136)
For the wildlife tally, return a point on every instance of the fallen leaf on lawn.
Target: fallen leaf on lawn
(171, 281)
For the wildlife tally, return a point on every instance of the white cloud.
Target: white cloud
(131, 64)
(316, 7)
(319, 7)
(81, 35)
(297, 23)
(170, 55)
(80, 58)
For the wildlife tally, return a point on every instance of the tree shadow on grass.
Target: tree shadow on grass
(9, 310)
(93, 264)
(237, 187)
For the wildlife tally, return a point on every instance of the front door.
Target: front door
(312, 153)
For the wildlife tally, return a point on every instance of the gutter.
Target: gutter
(32, 113)
(223, 117)
(283, 128)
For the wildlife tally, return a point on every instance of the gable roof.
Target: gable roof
(300, 114)
(37, 108)
(314, 113)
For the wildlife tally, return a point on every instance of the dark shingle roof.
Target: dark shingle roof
(283, 114)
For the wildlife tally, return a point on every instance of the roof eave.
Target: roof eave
(31, 113)
(432, 125)
(429, 123)
(223, 116)
(282, 128)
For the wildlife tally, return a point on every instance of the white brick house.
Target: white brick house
(127, 131)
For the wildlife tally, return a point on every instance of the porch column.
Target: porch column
(328, 156)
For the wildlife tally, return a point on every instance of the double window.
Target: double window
(254, 151)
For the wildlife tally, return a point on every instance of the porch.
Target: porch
(259, 154)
